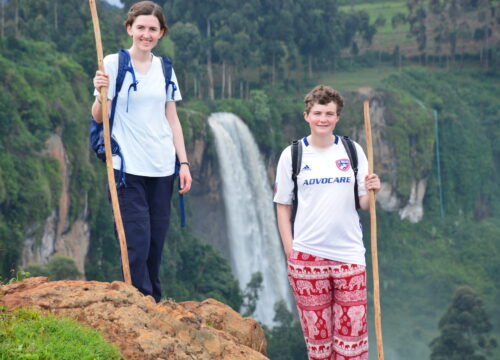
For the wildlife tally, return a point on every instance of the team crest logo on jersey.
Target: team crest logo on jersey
(343, 164)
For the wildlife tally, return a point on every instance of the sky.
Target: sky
(115, 2)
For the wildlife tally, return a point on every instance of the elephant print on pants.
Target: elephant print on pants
(357, 282)
(356, 314)
(311, 318)
(332, 306)
(303, 286)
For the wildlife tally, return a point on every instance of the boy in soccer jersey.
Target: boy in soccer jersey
(324, 244)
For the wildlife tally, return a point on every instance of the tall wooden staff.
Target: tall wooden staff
(107, 145)
(373, 230)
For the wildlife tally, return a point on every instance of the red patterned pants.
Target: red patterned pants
(331, 300)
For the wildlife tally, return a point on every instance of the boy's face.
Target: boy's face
(322, 119)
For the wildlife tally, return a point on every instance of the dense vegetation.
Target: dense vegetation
(450, 27)
(260, 69)
(46, 91)
(57, 268)
(422, 264)
(464, 329)
(30, 182)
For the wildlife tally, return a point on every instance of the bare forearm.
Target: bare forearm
(283, 213)
(180, 148)
(364, 202)
(101, 80)
(372, 182)
(97, 110)
(178, 136)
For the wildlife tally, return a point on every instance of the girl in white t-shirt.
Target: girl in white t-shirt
(325, 252)
(148, 130)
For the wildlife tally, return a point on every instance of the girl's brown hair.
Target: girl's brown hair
(146, 8)
(323, 95)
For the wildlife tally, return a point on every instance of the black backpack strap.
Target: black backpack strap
(167, 72)
(350, 148)
(296, 164)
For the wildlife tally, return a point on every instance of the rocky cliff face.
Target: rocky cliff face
(207, 214)
(142, 329)
(412, 208)
(58, 237)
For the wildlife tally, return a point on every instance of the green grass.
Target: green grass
(383, 9)
(27, 334)
(386, 37)
(353, 80)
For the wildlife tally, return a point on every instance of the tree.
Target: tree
(188, 51)
(398, 20)
(58, 268)
(488, 20)
(251, 294)
(417, 20)
(357, 22)
(224, 40)
(194, 270)
(440, 29)
(285, 340)
(241, 42)
(276, 33)
(128, 3)
(206, 16)
(451, 24)
(2, 19)
(318, 31)
(465, 329)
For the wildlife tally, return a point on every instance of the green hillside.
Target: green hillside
(436, 28)
(421, 265)
(30, 182)
(45, 74)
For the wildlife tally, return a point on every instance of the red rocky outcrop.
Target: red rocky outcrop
(139, 327)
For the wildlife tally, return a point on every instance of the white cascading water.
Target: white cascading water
(253, 236)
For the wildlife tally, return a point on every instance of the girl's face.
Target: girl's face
(322, 119)
(145, 32)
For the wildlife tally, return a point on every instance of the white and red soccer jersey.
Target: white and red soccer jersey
(327, 223)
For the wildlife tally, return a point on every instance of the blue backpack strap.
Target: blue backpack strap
(96, 129)
(123, 59)
(353, 158)
(167, 72)
(181, 196)
(124, 66)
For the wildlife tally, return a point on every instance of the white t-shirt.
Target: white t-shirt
(142, 130)
(327, 223)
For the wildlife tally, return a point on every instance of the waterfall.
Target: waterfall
(253, 236)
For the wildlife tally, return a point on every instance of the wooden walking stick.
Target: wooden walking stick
(373, 231)
(107, 145)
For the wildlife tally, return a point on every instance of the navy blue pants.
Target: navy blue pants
(145, 211)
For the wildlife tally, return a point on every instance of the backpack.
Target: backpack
(296, 164)
(97, 131)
